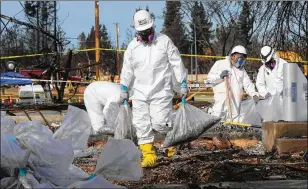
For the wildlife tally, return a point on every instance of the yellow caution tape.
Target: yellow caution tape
(122, 50)
(235, 123)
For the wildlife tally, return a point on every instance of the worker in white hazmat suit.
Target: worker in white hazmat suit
(99, 98)
(151, 59)
(233, 67)
(270, 77)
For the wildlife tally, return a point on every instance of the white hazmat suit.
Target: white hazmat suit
(150, 67)
(99, 97)
(271, 81)
(238, 80)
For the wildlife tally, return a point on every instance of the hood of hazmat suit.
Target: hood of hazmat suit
(154, 68)
(238, 80)
(271, 81)
(99, 98)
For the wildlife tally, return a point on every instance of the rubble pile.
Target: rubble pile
(198, 162)
(235, 131)
(32, 156)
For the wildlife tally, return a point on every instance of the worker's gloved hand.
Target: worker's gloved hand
(184, 89)
(256, 99)
(268, 95)
(281, 93)
(124, 93)
(224, 74)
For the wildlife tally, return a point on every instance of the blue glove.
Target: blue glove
(184, 89)
(224, 74)
(124, 93)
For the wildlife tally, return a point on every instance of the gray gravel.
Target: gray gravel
(234, 131)
(257, 150)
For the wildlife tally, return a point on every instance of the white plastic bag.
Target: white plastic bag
(38, 139)
(75, 126)
(27, 179)
(7, 125)
(111, 116)
(62, 178)
(271, 109)
(248, 113)
(11, 183)
(190, 122)
(124, 125)
(96, 182)
(36, 127)
(120, 160)
(12, 156)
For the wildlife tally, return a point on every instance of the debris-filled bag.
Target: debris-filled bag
(7, 125)
(46, 150)
(11, 183)
(248, 113)
(120, 160)
(12, 155)
(95, 182)
(27, 179)
(75, 126)
(271, 109)
(190, 122)
(111, 115)
(124, 125)
(62, 178)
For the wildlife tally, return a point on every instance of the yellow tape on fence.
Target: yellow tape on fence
(122, 50)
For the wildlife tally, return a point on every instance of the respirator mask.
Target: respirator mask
(240, 61)
(146, 36)
(271, 64)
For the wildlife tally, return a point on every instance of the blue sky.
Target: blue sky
(78, 16)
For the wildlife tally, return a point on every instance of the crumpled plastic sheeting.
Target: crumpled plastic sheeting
(75, 126)
(28, 181)
(11, 183)
(120, 160)
(189, 123)
(12, 155)
(248, 113)
(271, 109)
(62, 178)
(7, 125)
(49, 151)
(96, 182)
(124, 125)
(111, 116)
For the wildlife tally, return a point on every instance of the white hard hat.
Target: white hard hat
(266, 54)
(143, 20)
(239, 49)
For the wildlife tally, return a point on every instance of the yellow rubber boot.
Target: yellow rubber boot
(171, 151)
(149, 155)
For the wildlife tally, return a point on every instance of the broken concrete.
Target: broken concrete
(286, 146)
(273, 130)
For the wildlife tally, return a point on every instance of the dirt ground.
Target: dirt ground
(201, 161)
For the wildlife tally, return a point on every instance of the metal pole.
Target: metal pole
(117, 49)
(196, 63)
(191, 59)
(38, 8)
(55, 26)
(97, 52)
